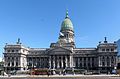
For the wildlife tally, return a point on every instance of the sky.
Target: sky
(37, 22)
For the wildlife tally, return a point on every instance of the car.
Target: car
(114, 72)
(88, 73)
(96, 72)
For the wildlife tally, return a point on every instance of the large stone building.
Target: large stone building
(62, 54)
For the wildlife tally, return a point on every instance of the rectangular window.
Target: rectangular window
(16, 50)
(107, 50)
(8, 50)
(112, 50)
(103, 49)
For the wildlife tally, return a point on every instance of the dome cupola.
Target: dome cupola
(67, 24)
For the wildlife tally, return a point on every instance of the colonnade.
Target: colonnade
(87, 62)
(107, 61)
(59, 61)
(39, 62)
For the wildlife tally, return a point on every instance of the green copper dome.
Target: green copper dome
(67, 24)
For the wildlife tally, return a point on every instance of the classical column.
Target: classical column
(10, 63)
(78, 61)
(74, 62)
(105, 60)
(35, 61)
(14, 61)
(110, 61)
(40, 61)
(32, 61)
(57, 62)
(90, 61)
(115, 62)
(61, 61)
(71, 61)
(87, 62)
(82, 61)
(53, 62)
(18, 60)
(49, 62)
(66, 61)
(99, 61)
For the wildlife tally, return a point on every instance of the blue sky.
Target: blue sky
(37, 22)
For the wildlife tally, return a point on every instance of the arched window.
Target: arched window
(12, 50)
(9, 64)
(12, 63)
(16, 63)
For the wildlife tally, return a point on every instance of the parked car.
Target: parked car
(96, 72)
(114, 72)
(88, 73)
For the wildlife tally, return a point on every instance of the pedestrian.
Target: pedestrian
(48, 73)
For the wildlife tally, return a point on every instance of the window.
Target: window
(92, 59)
(103, 57)
(108, 63)
(103, 49)
(16, 50)
(107, 58)
(89, 59)
(107, 50)
(103, 63)
(8, 50)
(12, 50)
(84, 59)
(16, 58)
(80, 64)
(84, 64)
(89, 64)
(112, 50)
(80, 59)
(112, 58)
(12, 63)
(9, 64)
(16, 63)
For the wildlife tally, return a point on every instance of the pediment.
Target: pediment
(59, 51)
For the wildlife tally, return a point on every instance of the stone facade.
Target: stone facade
(62, 54)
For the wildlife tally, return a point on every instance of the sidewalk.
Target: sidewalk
(69, 75)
